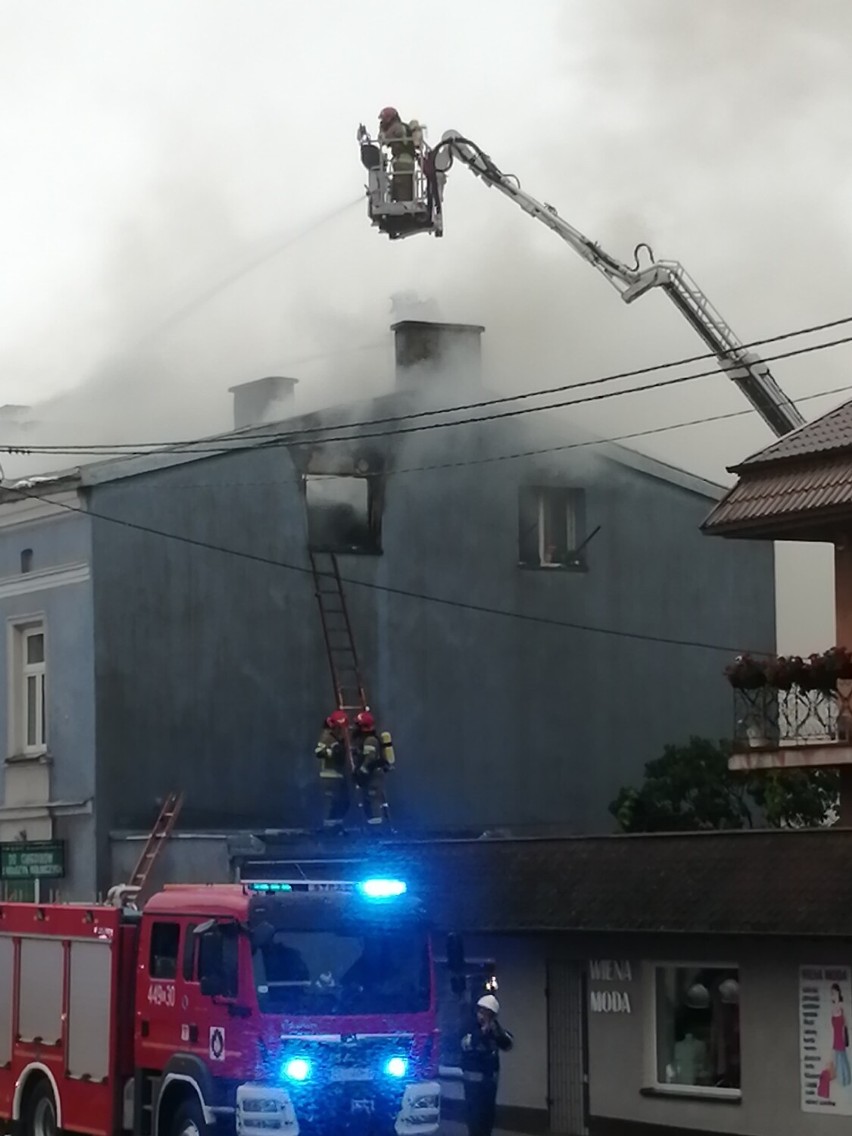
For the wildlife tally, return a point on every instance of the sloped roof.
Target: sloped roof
(800, 495)
(793, 487)
(764, 882)
(830, 433)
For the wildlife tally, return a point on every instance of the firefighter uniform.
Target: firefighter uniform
(331, 753)
(480, 1064)
(372, 758)
(400, 137)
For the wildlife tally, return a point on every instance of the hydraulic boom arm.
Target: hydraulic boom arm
(743, 367)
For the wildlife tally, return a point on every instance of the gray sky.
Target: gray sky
(155, 148)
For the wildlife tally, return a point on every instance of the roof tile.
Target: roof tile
(779, 493)
(768, 882)
(831, 432)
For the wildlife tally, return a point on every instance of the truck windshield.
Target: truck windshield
(320, 972)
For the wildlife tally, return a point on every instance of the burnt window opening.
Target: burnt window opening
(344, 513)
(551, 527)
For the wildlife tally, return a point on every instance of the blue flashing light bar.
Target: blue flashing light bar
(382, 889)
(297, 1069)
(396, 1067)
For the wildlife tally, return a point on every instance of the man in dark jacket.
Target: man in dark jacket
(481, 1065)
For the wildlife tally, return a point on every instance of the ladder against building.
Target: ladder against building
(159, 834)
(343, 662)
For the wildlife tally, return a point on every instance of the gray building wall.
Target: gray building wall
(50, 796)
(211, 671)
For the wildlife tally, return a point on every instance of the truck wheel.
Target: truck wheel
(40, 1112)
(189, 1120)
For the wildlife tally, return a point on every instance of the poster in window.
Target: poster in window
(825, 1014)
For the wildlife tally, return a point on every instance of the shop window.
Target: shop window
(698, 1029)
(165, 940)
(550, 527)
(344, 513)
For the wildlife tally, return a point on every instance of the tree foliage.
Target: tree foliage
(690, 787)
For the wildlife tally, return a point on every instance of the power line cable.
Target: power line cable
(563, 446)
(498, 400)
(605, 441)
(297, 437)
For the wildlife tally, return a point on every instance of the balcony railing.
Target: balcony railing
(767, 718)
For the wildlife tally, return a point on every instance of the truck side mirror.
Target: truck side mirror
(455, 953)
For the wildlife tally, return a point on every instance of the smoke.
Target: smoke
(712, 132)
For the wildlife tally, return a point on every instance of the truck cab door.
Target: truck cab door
(157, 1027)
(215, 1016)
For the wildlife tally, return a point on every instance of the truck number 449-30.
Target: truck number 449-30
(161, 994)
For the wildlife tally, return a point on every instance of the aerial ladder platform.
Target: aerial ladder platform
(424, 214)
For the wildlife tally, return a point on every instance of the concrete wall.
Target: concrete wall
(49, 797)
(211, 670)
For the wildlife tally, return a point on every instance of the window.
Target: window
(697, 1028)
(344, 513)
(343, 972)
(165, 940)
(189, 953)
(218, 959)
(27, 690)
(550, 523)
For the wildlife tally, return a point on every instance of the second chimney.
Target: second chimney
(262, 400)
(433, 353)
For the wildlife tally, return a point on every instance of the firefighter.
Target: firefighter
(372, 758)
(399, 136)
(481, 1065)
(331, 754)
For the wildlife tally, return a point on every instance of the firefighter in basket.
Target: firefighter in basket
(400, 138)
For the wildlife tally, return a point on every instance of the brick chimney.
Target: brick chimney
(432, 354)
(262, 400)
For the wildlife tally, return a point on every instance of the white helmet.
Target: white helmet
(489, 1002)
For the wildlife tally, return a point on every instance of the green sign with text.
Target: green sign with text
(32, 860)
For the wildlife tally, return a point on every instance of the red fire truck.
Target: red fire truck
(273, 1007)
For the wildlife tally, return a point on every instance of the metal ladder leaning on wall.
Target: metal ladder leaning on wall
(340, 647)
(160, 833)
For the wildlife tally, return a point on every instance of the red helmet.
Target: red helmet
(337, 720)
(388, 114)
(365, 721)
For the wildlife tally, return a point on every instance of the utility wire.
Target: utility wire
(297, 437)
(405, 593)
(494, 458)
(500, 400)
